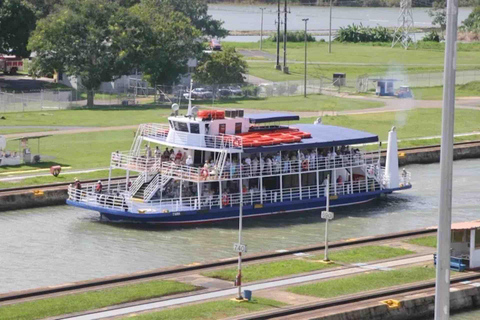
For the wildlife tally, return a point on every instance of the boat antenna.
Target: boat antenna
(189, 111)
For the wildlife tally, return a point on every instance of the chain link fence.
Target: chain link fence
(57, 99)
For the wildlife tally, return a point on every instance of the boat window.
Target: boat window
(222, 128)
(238, 127)
(194, 128)
(180, 126)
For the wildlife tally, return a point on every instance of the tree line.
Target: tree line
(100, 40)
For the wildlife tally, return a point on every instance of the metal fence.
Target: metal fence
(53, 99)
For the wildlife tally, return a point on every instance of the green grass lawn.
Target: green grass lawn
(56, 306)
(262, 271)
(368, 59)
(364, 282)
(299, 103)
(61, 178)
(256, 272)
(471, 89)
(365, 254)
(410, 124)
(213, 310)
(79, 151)
(95, 117)
(428, 241)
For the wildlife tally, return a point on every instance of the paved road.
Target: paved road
(21, 82)
(359, 268)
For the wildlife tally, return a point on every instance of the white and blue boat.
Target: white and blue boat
(202, 165)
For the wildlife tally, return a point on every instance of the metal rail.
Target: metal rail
(96, 283)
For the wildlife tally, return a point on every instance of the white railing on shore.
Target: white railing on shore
(160, 132)
(116, 199)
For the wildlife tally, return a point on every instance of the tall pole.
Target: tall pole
(325, 258)
(330, 30)
(305, 80)
(277, 66)
(285, 69)
(442, 288)
(261, 30)
(240, 225)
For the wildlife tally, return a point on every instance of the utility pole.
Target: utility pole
(285, 68)
(277, 66)
(442, 287)
(239, 247)
(330, 30)
(305, 80)
(261, 30)
(327, 215)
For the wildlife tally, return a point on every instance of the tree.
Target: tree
(221, 68)
(439, 14)
(95, 39)
(197, 11)
(472, 23)
(172, 40)
(17, 20)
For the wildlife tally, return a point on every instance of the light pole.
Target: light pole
(330, 30)
(277, 66)
(305, 80)
(239, 247)
(285, 68)
(261, 30)
(442, 283)
(327, 215)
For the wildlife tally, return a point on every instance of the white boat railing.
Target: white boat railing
(268, 168)
(404, 178)
(117, 199)
(128, 160)
(160, 132)
(152, 188)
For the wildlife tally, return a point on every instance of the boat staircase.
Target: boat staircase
(220, 165)
(149, 182)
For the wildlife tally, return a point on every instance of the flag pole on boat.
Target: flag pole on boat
(327, 215)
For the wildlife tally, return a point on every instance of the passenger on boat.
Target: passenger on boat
(166, 155)
(248, 166)
(262, 164)
(269, 165)
(148, 151)
(178, 157)
(189, 161)
(98, 187)
(286, 164)
(158, 152)
(255, 164)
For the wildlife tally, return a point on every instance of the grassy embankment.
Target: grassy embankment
(368, 59)
(55, 306)
(213, 310)
(471, 89)
(428, 241)
(262, 271)
(365, 282)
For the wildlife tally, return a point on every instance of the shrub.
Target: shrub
(293, 36)
(432, 36)
(250, 91)
(359, 33)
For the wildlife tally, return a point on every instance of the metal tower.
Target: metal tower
(403, 32)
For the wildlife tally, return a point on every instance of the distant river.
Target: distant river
(54, 245)
(245, 17)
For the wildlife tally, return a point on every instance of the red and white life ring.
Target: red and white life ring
(237, 143)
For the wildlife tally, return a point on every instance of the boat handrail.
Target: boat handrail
(160, 132)
(118, 200)
(270, 168)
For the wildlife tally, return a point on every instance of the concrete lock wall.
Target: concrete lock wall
(415, 308)
(31, 199)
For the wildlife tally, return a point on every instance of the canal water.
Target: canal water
(54, 245)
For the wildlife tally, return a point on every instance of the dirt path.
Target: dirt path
(70, 131)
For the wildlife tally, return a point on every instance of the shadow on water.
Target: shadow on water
(366, 210)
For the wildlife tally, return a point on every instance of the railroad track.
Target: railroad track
(97, 283)
(338, 303)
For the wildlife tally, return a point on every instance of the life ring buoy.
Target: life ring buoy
(236, 143)
(305, 164)
(225, 200)
(204, 173)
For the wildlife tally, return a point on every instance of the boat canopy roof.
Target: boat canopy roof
(271, 117)
(322, 136)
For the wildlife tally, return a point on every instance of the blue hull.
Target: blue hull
(217, 214)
